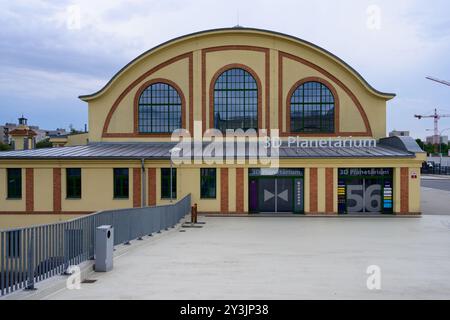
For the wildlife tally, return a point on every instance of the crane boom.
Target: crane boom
(439, 81)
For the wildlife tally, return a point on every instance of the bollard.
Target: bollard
(196, 212)
(192, 214)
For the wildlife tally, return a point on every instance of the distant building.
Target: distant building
(396, 133)
(41, 134)
(444, 139)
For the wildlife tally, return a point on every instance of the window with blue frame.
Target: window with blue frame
(121, 183)
(73, 183)
(312, 109)
(208, 183)
(14, 183)
(235, 101)
(166, 182)
(159, 109)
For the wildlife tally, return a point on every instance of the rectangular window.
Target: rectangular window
(208, 183)
(13, 244)
(165, 183)
(73, 183)
(14, 177)
(121, 183)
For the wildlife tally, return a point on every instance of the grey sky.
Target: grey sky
(47, 59)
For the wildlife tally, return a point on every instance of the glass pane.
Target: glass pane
(14, 177)
(312, 108)
(235, 101)
(159, 109)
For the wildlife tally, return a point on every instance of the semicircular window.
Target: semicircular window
(235, 101)
(312, 109)
(159, 109)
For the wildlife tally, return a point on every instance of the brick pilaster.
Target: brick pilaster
(137, 191)
(240, 190)
(151, 186)
(29, 189)
(404, 191)
(313, 190)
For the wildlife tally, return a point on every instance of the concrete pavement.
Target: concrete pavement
(283, 258)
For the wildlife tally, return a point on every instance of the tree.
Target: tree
(421, 144)
(5, 147)
(44, 144)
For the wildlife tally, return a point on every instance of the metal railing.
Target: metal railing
(29, 255)
(436, 169)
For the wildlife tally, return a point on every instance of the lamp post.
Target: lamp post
(172, 151)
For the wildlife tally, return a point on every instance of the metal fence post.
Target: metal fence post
(30, 280)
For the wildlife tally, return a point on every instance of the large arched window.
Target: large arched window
(312, 109)
(159, 109)
(235, 101)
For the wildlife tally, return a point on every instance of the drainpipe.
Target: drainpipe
(144, 184)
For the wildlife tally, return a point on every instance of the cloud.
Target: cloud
(41, 84)
(43, 47)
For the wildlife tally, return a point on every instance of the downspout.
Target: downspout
(144, 184)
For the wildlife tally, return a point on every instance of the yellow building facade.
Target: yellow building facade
(224, 79)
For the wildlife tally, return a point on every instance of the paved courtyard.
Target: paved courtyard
(283, 258)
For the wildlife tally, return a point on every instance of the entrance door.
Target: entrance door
(275, 195)
(267, 199)
(284, 202)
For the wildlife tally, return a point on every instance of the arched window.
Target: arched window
(235, 101)
(312, 109)
(159, 109)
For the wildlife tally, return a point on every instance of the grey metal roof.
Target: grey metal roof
(99, 151)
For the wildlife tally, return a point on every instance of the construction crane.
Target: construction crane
(436, 116)
(439, 81)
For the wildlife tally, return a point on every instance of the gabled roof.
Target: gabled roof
(242, 30)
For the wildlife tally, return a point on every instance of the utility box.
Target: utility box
(104, 248)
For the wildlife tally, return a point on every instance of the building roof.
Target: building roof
(26, 132)
(240, 29)
(161, 151)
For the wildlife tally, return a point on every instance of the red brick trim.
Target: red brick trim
(313, 191)
(57, 190)
(137, 191)
(188, 56)
(240, 189)
(224, 205)
(404, 190)
(151, 186)
(281, 56)
(136, 106)
(329, 190)
(29, 189)
(336, 105)
(213, 82)
(266, 51)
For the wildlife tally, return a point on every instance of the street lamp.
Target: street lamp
(172, 151)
